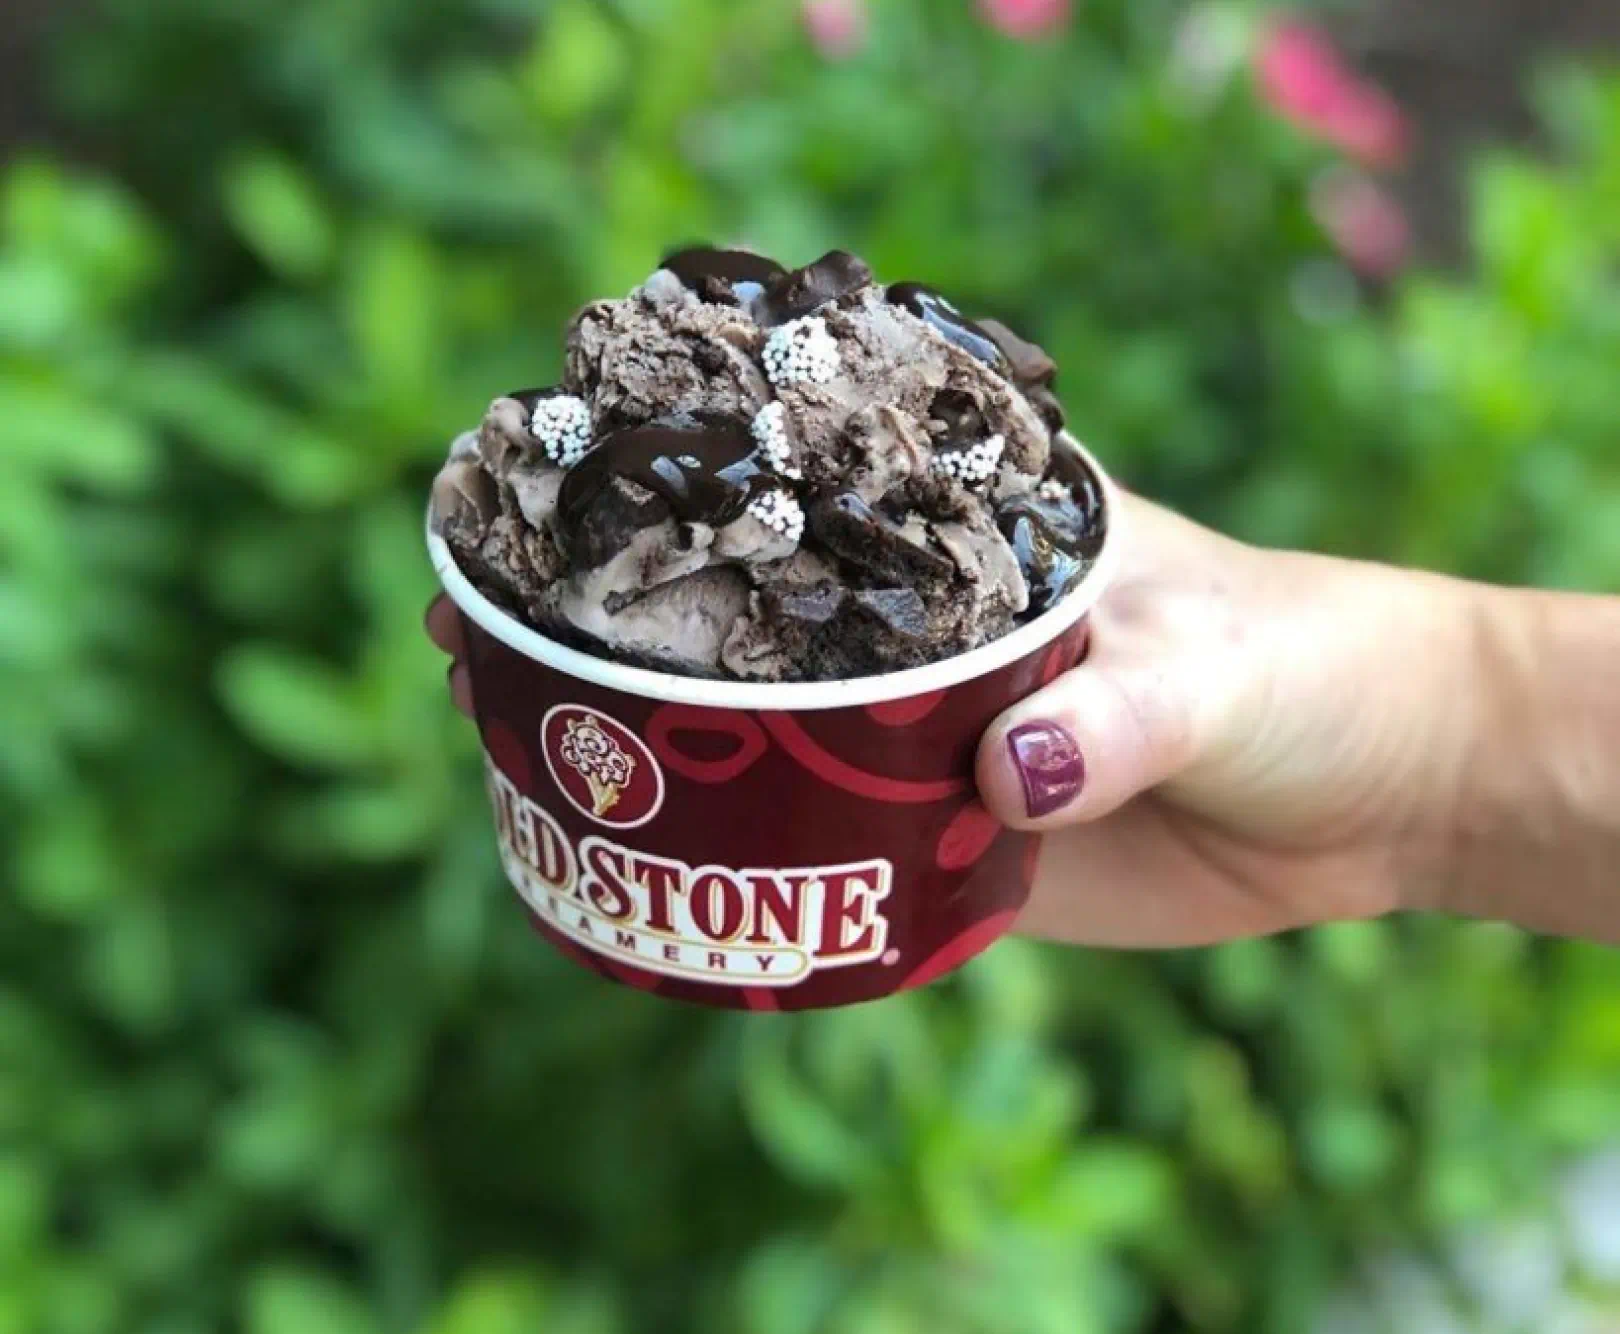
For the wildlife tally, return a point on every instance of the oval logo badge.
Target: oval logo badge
(603, 768)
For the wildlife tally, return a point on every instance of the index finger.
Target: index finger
(443, 625)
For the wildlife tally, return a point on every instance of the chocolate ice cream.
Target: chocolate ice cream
(776, 475)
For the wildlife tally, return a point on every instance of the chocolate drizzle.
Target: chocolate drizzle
(713, 273)
(705, 473)
(1055, 541)
(932, 308)
(1070, 469)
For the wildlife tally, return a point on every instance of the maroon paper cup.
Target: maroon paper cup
(756, 846)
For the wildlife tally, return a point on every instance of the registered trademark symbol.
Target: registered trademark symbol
(890, 957)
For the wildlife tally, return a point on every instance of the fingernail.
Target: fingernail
(1049, 765)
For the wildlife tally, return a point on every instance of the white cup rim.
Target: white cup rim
(796, 695)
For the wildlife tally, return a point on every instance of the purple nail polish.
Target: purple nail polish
(1049, 764)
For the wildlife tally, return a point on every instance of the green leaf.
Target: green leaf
(276, 210)
(786, 1287)
(297, 1301)
(1246, 978)
(1115, 1190)
(83, 1298)
(67, 866)
(577, 63)
(24, 1206)
(1356, 951)
(495, 1303)
(130, 966)
(298, 708)
(1350, 1145)
(76, 439)
(40, 302)
(373, 822)
(274, 1138)
(801, 1130)
(92, 228)
(393, 311)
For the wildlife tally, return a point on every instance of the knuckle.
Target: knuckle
(1160, 715)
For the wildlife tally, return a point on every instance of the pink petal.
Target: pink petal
(836, 28)
(1300, 74)
(1369, 127)
(1306, 82)
(1365, 222)
(1025, 19)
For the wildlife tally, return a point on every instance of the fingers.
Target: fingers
(443, 625)
(1086, 744)
(461, 688)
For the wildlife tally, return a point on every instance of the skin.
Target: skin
(1273, 739)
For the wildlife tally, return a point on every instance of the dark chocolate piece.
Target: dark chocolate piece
(900, 609)
(835, 275)
(1032, 369)
(704, 473)
(851, 529)
(725, 277)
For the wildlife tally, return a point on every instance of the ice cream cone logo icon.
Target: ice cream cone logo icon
(598, 759)
(603, 768)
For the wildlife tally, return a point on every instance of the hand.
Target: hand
(443, 624)
(1257, 741)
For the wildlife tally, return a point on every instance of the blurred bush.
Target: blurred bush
(276, 1053)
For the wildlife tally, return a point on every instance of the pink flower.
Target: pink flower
(1364, 221)
(1303, 78)
(1025, 19)
(836, 28)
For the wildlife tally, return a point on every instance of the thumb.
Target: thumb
(1089, 742)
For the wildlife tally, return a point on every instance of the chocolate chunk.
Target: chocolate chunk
(1029, 361)
(813, 606)
(835, 275)
(1034, 371)
(603, 523)
(900, 609)
(850, 528)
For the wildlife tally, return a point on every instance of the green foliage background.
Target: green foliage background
(277, 1054)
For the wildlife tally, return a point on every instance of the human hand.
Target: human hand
(1258, 740)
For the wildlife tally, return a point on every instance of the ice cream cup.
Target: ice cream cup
(758, 846)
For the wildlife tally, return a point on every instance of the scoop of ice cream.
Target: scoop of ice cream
(776, 474)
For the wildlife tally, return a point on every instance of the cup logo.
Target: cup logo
(601, 766)
(743, 926)
(599, 759)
